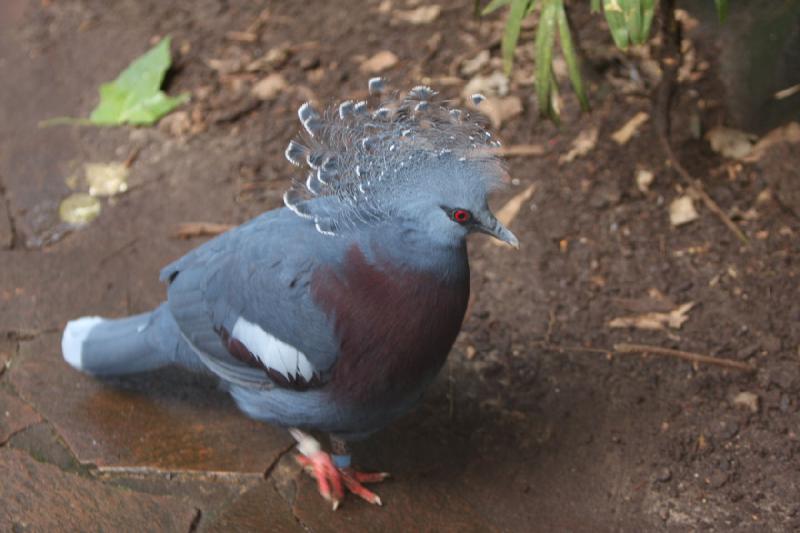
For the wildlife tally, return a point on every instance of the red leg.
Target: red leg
(331, 480)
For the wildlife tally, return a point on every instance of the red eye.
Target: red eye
(462, 216)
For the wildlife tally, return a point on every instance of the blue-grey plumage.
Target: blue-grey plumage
(335, 312)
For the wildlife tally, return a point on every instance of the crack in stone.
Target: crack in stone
(268, 475)
(271, 467)
(196, 520)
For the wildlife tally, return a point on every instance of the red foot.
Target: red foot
(332, 481)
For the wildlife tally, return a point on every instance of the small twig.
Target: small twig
(520, 150)
(189, 230)
(670, 60)
(563, 349)
(132, 157)
(680, 354)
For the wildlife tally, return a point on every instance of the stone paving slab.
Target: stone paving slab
(41, 497)
(168, 420)
(259, 509)
(41, 442)
(15, 415)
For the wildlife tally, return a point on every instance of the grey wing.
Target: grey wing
(243, 302)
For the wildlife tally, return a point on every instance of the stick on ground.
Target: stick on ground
(680, 354)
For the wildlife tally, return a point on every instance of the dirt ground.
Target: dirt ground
(537, 422)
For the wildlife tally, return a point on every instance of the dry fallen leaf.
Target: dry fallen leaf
(381, 61)
(420, 15)
(655, 321)
(731, 143)
(472, 66)
(106, 179)
(177, 124)
(520, 150)
(644, 178)
(79, 208)
(188, 230)
(269, 88)
(748, 400)
(790, 133)
(787, 92)
(498, 110)
(682, 211)
(495, 84)
(582, 145)
(510, 210)
(624, 134)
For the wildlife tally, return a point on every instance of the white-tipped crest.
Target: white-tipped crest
(364, 161)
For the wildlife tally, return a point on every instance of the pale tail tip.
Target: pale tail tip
(72, 341)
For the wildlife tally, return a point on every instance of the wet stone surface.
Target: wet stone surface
(41, 497)
(15, 415)
(260, 508)
(168, 420)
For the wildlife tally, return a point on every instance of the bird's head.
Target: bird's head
(413, 161)
(454, 204)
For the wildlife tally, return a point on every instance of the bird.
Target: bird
(335, 312)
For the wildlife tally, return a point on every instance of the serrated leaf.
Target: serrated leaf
(722, 9)
(494, 5)
(545, 38)
(135, 96)
(571, 58)
(511, 33)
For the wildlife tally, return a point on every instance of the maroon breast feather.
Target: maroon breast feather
(395, 326)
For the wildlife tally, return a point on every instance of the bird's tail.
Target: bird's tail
(106, 347)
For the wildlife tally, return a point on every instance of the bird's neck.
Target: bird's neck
(412, 250)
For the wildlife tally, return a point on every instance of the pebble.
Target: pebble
(747, 400)
(717, 479)
(663, 474)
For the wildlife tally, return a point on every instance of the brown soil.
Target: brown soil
(537, 424)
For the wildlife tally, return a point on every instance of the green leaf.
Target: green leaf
(722, 9)
(135, 97)
(648, 12)
(545, 39)
(511, 33)
(629, 20)
(595, 6)
(494, 5)
(616, 22)
(571, 58)
(633, 19)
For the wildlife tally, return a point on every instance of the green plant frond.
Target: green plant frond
(629, 20)
(511, 33)
(722, 9)
(615, 17)
(633, 19)
(571, 58)
(648, 12)
(494, 5)
(531, 7)
(545, 39)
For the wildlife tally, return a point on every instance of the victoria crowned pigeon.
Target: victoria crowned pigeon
(335, 312)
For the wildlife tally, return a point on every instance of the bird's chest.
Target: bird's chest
(395, 327)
